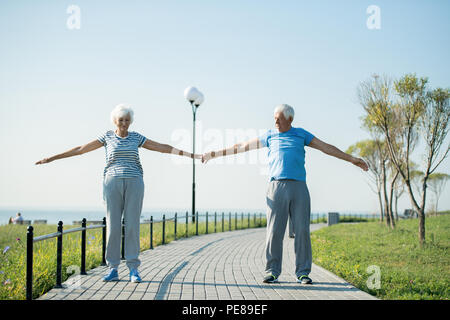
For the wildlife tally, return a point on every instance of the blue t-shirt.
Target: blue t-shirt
(286, 153)
(122, 156)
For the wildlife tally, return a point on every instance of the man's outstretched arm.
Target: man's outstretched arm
(237, 148)
(335, 152)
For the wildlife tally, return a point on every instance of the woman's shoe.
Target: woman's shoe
(134, 276)
(113, 275)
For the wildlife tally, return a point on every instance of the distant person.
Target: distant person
(287, 194)
(18, 219)
(123, 186)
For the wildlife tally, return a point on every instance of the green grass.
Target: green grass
(13, 260)
(408, 271)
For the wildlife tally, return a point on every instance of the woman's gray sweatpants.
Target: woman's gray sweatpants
(288, 198)
(123, 196)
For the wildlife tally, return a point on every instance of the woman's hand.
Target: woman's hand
(208, 156)
(45, 160)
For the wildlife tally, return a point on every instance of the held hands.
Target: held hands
(208, 156)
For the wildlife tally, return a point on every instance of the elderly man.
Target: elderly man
(287, 194)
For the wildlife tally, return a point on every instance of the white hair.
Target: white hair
(287, 110)
(122, 110)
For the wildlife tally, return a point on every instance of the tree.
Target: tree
(377, 96)
(371, 152)
(436, 182)
(415, 109)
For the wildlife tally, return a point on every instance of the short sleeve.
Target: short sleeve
(141, 139)
(263, 139)
(102, 138)
(308, 137)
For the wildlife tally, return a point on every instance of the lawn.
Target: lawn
(359, 252)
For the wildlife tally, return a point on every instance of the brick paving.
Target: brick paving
(219, 266)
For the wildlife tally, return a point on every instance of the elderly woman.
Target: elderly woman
(123, 186)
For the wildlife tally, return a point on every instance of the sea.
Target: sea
(68, 216)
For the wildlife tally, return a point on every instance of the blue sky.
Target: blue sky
(58, 86)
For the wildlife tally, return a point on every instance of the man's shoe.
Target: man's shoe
(304, 279)
(134, 276)
(113, 275)
(270, 278)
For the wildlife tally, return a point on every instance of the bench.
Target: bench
(40, 222)
(89, 222)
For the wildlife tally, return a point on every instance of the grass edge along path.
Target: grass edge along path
(362, 254)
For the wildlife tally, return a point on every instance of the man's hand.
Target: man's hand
(360, 163)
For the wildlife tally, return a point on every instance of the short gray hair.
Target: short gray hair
(120, 111)
(287, 110)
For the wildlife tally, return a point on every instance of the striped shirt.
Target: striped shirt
(122, 156)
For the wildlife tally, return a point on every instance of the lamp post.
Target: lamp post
(195, 98)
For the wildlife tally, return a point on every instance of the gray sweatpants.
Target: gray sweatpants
(288, 198)
(123, 196)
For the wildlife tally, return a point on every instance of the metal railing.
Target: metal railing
(60, 233)
(197, 217)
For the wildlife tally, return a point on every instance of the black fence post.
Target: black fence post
(196, 223)
(206, 222)
(83, 247)
(215, 221)
(187, 223)
(249, 219)
(29, 292)
(260, 219)
(229, 221)
(223, 218)
(123, 239)
(104, 242)
(235, 221)
(59, 256)
(151, 232)
(164, 229)
(175, 227)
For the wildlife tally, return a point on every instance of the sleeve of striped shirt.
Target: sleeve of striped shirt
(141, 139)
(102, 138)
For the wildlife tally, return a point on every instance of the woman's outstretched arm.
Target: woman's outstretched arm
(91, 146)
(165, 148)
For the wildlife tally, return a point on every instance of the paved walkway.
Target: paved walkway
(220, 266)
